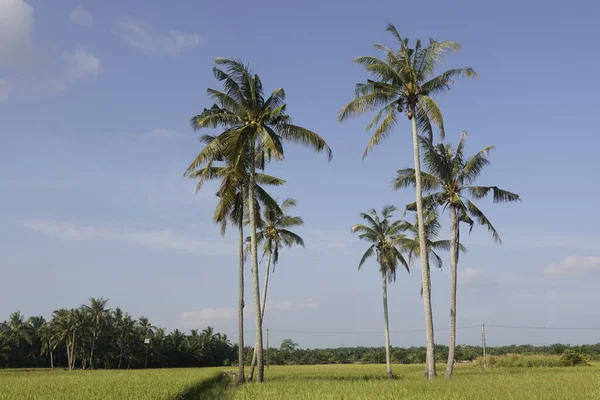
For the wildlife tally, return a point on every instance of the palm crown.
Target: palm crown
(385, 236)
(276, 233)
(450, 178)
(404, 81)
(249, 119)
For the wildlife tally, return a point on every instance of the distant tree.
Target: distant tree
(97, 314)
(385, 236)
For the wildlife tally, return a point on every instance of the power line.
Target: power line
(543, 328)
(356, 332)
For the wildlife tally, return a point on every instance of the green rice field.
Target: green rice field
(307, 382)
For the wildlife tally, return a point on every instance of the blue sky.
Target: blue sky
(95, 99)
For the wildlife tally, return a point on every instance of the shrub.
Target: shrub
(521, 361)
(571, 358)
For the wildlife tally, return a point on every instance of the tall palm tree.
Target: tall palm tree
(233, 198)
(255, 127)
(404, 81)
(275, 234)
(48, 343)
(36, 330)
(449, 180)
(18, 333)
(97, 314)
(385, 236)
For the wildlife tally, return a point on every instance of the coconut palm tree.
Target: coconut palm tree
(255, 127)
(385, 236)
(18, 332)
(36, 328)
(449, 180)
(404, 81)
(232, 195)
(275, 234)
(97, 314)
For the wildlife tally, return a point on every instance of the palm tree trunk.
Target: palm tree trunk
(51, 358)
(241, 377)
(388, 360)
(255, 277)
(262, 307)
(454, 240)
(72, 352)
(92, 351)
(423, 255)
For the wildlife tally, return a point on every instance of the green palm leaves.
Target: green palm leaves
(403, 81)
(385, 237)
(450, 179)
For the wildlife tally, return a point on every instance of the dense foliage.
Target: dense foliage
(97, 337)
(415, 355)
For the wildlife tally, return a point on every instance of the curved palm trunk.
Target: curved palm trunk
(388, 360)
(454, 240)
(255, 278)
(241, 377)
(262, 309)
(423, 255)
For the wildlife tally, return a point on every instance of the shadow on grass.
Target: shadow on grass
(211, 389)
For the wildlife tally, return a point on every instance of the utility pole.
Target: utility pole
(267, 347)
(146, 342)
(483, 345)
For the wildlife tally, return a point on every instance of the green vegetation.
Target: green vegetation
(96, 337)
(469, 383)
(164, 384)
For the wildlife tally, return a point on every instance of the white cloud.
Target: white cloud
(16, 34)
(163, 239)
(29, 69)
(209, 315)
(477, 278)
(574, 265)
(81, 17)
(138, 35)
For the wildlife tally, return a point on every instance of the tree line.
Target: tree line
(95, 337)
(253, 128)
(289, 353)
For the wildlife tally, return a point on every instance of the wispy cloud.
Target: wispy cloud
(161, 239)
(477, 278)
(574, 265)
(161, 133)
(78, 65)
(139, 36)
(208, 315)
(81, 17)
(333, 240)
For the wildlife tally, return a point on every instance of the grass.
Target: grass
(165, 384)
(308, 382)
(369, 382)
